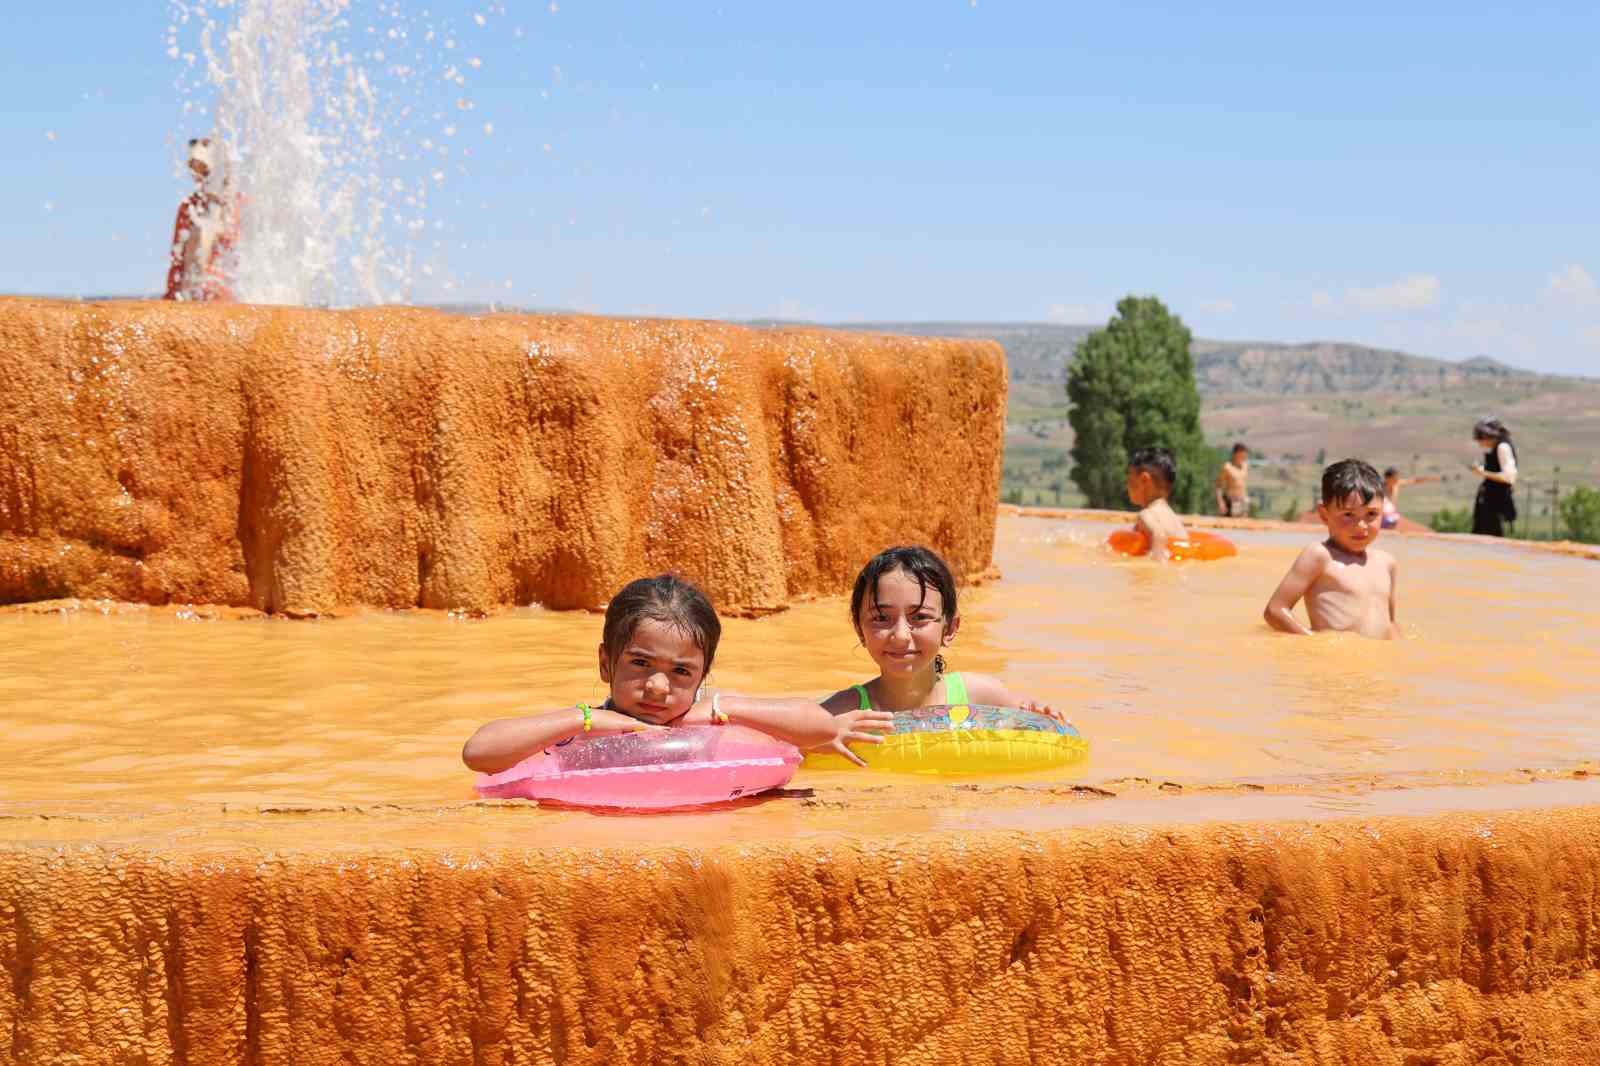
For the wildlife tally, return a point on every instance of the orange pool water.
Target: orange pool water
(1167, 669)
(251, 841)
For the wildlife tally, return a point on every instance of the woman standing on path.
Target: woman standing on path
(1495, 503)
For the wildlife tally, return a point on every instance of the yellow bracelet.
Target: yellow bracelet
(588, 716)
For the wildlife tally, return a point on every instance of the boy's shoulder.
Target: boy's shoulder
(1158, 506)
(1316, 550)
(1313, 561)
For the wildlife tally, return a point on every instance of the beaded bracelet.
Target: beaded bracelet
(588, 716)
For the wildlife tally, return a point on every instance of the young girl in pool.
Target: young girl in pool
(656, 648)
(904, 610)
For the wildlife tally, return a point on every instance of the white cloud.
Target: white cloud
(1408, 294)
(1575, 284)
(1218, 307)
(1075, 314)
(1589, 337)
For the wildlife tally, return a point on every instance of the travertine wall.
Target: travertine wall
(301, 460)
(1447, 940)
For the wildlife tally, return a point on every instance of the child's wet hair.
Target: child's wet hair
(1240, 446)
(1392, 471)
(665, 598)
(1351, 475)
(921, 564)
(1157, 462)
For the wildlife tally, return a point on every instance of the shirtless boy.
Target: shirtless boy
(1151, 472)
(1348, 585)
(1233, 485)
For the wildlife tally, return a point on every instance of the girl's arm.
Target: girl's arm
(501, 744)
(803, 723)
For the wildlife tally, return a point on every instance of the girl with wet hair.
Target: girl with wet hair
(904, 610)
(656, 647)
(1495, 503)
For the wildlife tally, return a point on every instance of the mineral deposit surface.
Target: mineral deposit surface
(301, 461)
(829, 925)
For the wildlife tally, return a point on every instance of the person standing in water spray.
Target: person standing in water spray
(205, 231)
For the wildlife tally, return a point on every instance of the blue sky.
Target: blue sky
(1418, 176)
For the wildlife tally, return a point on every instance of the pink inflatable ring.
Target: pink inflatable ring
(653, 769)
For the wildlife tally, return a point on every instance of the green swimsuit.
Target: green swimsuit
(955, 692)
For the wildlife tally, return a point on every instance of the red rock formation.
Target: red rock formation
(300, 460)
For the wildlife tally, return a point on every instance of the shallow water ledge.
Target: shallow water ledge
(302, 461)
(1026, 935)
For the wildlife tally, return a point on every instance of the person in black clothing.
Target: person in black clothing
(1495, 504)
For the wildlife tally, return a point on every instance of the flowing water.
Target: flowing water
(340, 125)
(1168, 670)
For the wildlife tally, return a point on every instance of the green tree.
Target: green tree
(1580, 513)
(1131, 385)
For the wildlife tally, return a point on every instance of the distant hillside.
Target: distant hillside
(1040, 353)
(1333, 366)
(1034, 351)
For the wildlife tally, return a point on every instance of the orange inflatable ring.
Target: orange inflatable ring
(1198, 545)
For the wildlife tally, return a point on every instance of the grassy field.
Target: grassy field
(1556, 423)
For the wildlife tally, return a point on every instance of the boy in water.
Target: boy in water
(1348, 585)
(1151, 472)
(1233, 485)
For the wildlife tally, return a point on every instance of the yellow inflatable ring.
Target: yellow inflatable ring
(1198, 545)
(966, 739)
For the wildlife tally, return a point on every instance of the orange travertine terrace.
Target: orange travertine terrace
(301, 461)
(158, 906)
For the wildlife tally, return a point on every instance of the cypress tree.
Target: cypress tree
(1131, 385)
